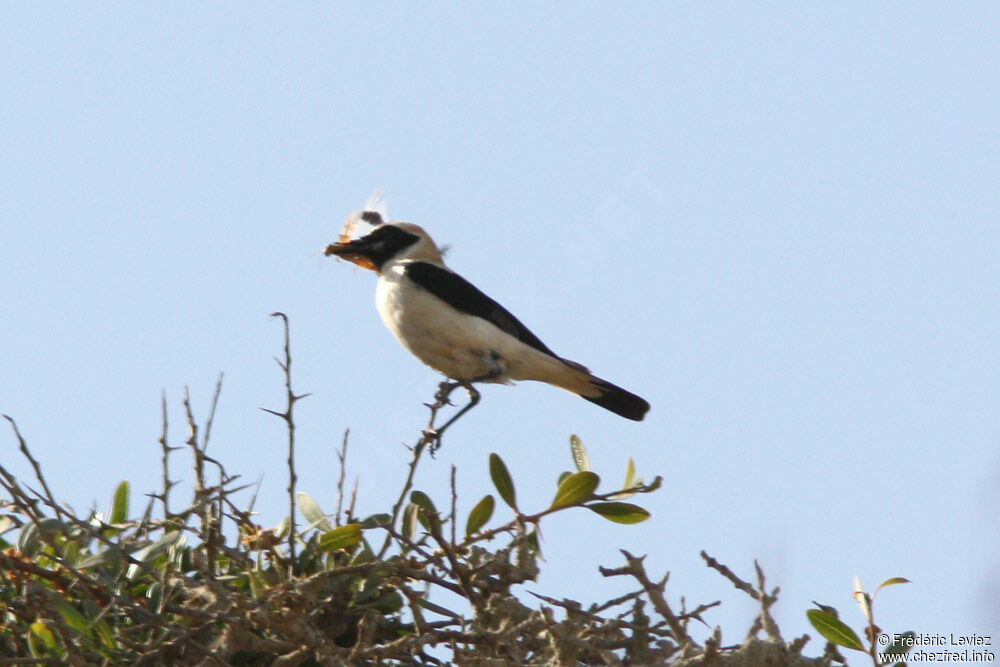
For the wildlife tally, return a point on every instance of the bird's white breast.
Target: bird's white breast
(454, 343)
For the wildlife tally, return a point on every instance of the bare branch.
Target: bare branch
(655, 591)
(730, 575)
(764, 620)
(211, 413)
(165, 450)
(291, 398)
(34, 463)
(342, 458)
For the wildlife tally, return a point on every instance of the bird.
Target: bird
(452, 326)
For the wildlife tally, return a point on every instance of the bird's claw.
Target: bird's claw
(444, 392)
(441, 400)
(432, 437)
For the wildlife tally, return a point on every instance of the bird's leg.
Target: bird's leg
(444, 391)
(474, 397)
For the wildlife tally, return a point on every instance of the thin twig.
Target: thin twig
(730, 575)
(766, 600)
(697, 612)
(454, 501)
(458, 570)
(202, 494)
(165, 449)
(598, 608)
(407, 485)
(354, 497)
(342, 457)
(34, 462)
(413, 597)
(291, 399)
(218, 513)
(211, 413)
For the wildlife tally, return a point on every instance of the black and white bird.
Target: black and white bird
(453, 327)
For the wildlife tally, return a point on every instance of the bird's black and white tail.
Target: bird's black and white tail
(617, 400)
(577, 378)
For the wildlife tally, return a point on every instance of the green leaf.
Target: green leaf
(900, 645)
(428, 513)
(74, 619)
(534, 543)
(30, 537)
(362, 555)
(562, 477)
(409, 523)
(619, 512)
(502, 481)
(424, 501)
(119, 504)
(575, 489)
(480, 515)
(258, 583)
(104, 632)
(630, 481)
(40, 630)
(376, 521)
(281, 530)
(72, 551)
(863, 599)
(154, 594)
(345, 537)
(579, 453)
(388, 603)
(151, 552)
(311, 511)
(833, 629)
(102, 557)
(891, 582)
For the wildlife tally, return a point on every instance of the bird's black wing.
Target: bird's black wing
(462, 295)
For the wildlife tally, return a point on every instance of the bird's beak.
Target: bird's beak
(352, 251)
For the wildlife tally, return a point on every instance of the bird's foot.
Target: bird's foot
(441, 398)
(432, 434)
(432, 438)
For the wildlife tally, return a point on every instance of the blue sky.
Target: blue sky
(777, 222)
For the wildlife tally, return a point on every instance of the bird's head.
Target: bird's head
(386, 241)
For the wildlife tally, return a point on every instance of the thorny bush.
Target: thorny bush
(205, 584)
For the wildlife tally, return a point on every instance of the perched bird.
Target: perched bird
(451, 326)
